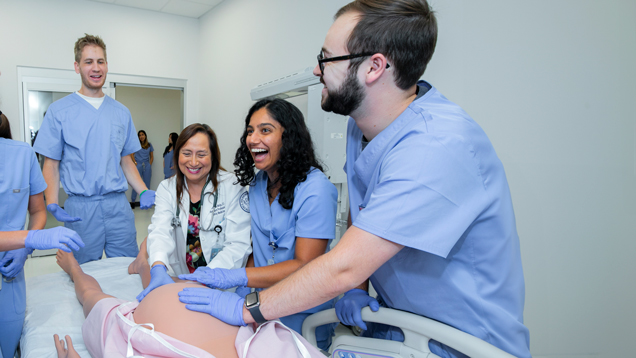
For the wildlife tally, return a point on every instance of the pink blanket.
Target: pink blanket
(120, 336)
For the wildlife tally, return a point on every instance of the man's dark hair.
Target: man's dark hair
(404, 31)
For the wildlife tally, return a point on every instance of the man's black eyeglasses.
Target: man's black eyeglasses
(322, 59)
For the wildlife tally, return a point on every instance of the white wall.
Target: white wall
(41, 33)
(248, 42)
(550, 82)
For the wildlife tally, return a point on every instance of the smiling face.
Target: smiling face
(343, 92)
(195, 159)
(142, 137)
(264, 141)
(92, 68)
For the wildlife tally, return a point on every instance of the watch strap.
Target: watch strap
(255, 310)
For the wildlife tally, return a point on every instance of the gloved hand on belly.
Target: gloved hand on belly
(218, 277)
(226, 306)
(158, 277)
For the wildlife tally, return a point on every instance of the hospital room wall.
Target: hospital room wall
(551, 84)
(41, 33)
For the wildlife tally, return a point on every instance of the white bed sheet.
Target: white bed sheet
(52, 307)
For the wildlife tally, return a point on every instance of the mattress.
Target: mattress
(52, 307)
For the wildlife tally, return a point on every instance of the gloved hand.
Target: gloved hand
(349, 306)
(226, 306)
(158, 277)
(61, 215)
(15, 260)
(243, 291)
(147, 199)
(218, 277)
(55, 238)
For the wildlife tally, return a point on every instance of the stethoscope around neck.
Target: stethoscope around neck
(176, 222)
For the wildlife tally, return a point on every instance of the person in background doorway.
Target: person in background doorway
(21, 191)
(87, 138)
(168, 156)
(143, 159)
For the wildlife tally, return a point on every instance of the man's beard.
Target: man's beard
(345, 99)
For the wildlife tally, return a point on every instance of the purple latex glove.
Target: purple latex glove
(349, 306)
(243, 291)
(14, 261)
(147, 199)
(61, 215)
(158, 277)
(218, 277)
(55, 238)
(226, 306)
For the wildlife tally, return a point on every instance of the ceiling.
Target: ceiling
(189, 8)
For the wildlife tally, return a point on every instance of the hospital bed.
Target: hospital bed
(417, 330)
(52, 307)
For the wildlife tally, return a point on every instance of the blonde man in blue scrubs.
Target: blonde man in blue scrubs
(432, 219)
(87, 138)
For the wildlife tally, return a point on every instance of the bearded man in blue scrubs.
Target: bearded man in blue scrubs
(87, 138)
(432, 223)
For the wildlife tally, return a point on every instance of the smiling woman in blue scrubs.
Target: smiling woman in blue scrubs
(293, 205)
(21, 189)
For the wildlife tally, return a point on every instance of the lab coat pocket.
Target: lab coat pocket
(117, 135)
(17, 202)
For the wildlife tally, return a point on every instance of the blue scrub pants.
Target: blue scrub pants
(145, 171)
(12, 306)
(108, 224)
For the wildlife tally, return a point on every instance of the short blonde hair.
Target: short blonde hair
(86, 41)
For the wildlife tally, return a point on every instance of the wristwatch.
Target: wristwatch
(253, 303)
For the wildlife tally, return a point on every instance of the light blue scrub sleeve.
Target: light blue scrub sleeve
(132, 141)
(426, 196)
(37, 182)
(50, 140)
(318, 201)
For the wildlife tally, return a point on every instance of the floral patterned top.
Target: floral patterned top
(194, 254)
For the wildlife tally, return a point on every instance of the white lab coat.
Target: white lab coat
(168, 244)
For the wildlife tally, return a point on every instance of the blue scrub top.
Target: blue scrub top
(167, 159)
(20, 177)
(89, 143)
(143, 155)
(312, 215)
(431, 181)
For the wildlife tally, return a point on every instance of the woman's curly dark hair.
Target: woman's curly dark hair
(297, 155)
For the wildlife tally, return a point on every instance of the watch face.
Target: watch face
(251, 299)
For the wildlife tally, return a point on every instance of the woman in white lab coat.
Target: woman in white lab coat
(201, 215)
